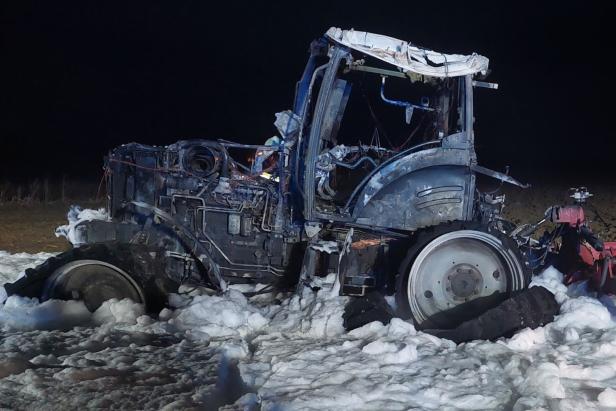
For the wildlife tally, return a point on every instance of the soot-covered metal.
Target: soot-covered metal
(371, 171)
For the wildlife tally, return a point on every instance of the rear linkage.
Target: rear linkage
(572, 247)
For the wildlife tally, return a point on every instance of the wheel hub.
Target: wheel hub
(464, 280)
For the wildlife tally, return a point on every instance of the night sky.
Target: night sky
(77, 79)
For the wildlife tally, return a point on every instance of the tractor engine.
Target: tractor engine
(235, 215)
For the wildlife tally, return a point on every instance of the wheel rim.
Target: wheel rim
(92, 281)
(460, 274)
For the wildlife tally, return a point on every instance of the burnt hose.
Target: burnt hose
(355, 164)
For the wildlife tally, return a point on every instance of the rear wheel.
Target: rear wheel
(93, 282)
(98, 272)
(455, 272)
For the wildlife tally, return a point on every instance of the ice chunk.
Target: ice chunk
(527, 339)
(544, 379)
(22, 313)
(122, 311)
(220, 316)
(607, 398)
(552, 279)
(583, 313)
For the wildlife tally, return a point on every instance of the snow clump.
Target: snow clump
(76, 215)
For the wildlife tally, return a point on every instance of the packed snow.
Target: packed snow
(13, 265)
(279, 352)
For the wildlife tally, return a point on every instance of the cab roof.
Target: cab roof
(407, 57)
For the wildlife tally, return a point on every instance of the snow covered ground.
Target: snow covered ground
(213, 351)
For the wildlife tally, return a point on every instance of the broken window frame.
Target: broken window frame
(461, 140)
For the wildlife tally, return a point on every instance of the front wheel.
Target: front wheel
(455, 272)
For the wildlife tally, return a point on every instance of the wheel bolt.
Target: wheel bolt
(428, 294)
(496, 274)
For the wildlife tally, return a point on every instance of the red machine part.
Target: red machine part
(598, 258)
(602, 266)
(609, 283)
(571, 215)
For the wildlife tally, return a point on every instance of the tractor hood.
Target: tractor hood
(408, 57)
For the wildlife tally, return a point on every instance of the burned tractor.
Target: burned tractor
(372, 176)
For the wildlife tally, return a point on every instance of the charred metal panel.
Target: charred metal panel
(315, 142)
(231, 216)
(422, 189)
(333, 115)
(422, 198)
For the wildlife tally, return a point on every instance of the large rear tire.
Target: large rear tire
(93, 282)
(96, 273)
(456, 271)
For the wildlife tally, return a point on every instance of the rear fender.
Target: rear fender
(422, 189)
(159, 230)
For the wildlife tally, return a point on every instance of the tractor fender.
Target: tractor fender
(421, 189)
(155, 228)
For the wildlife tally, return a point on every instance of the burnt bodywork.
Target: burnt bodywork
(188, 200)
(194, 199)
(378, 146)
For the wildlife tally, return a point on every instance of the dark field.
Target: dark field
(30, 227)
(529, 205)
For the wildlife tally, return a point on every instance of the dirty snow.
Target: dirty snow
(13, 265)
(292, 352)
